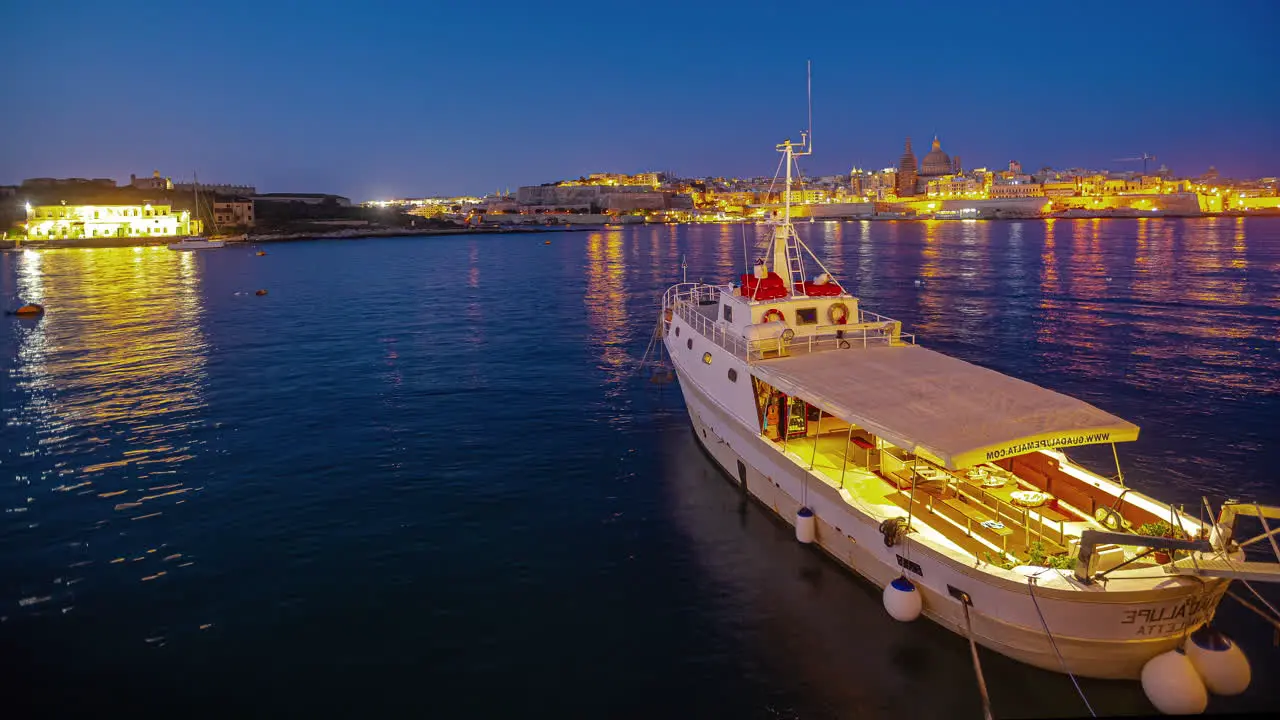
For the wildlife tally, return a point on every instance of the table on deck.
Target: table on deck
(1005, 493)
(972, 515)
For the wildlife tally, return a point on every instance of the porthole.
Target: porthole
(689, 343)
(677, 331)
(733, 375)
(706, 358)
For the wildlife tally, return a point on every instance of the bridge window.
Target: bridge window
(728, 314)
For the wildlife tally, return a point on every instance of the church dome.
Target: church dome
(936, 162)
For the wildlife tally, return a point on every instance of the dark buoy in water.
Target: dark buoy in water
(261, 292)
(29, 310)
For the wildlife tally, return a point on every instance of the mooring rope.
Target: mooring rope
(1031, 585)
(1256, 610)
(1263, 600)
(977, 665)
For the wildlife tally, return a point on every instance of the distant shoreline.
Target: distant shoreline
(530, 228)
(275, 237)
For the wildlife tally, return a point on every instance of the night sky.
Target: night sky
(394, 99)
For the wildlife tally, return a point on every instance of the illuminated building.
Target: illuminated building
(46, 222)
(955, 186)
(936, 163)
(1019, 186)
(1059, 188)
(907, 172)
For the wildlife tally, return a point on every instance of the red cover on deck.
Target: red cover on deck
(770, 288)
(829, 290)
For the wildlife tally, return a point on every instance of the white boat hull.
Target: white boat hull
(197, 245)
(1106, 630)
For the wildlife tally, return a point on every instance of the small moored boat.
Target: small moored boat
(196, 244)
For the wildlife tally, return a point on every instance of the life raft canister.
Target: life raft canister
(838, 313)
(772, 313)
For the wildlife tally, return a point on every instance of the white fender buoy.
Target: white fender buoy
(806, 526)
(1219, 661)
(1173, 685)
(902, 600)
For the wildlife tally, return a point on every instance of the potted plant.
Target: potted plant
(1161, 529)
(1037, 556)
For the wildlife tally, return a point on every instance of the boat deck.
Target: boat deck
(949, 511)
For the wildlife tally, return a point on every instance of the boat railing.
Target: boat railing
(687, 300)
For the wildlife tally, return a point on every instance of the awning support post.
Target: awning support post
(816, 435)
(1119, 473)
(844, 462)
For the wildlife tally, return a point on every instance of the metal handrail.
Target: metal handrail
(873, 329)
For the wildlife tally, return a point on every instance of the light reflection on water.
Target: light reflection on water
(111, 380)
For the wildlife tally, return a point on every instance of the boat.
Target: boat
(944, 483)
(197, 243)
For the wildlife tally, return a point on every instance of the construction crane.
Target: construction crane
(1145, 157)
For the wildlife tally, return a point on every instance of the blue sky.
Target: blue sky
(388, 98)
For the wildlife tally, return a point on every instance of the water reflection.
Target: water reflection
(108, 389)
(606, 303)
(932, 312)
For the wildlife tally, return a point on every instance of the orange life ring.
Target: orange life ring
(838, 314)
(771, 313)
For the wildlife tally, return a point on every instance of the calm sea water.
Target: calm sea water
(423, 475)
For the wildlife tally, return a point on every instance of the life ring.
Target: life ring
(838, 313)
(771, 313)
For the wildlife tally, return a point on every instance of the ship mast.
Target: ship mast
(784, 264)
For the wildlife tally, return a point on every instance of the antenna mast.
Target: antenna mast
(783, 234)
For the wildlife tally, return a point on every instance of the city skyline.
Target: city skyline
(395, 101)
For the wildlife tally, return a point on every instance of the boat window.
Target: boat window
(677, 331)
(728, 314)
(706, 358)
(733, 375)
(806, 316)
(689, 343)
